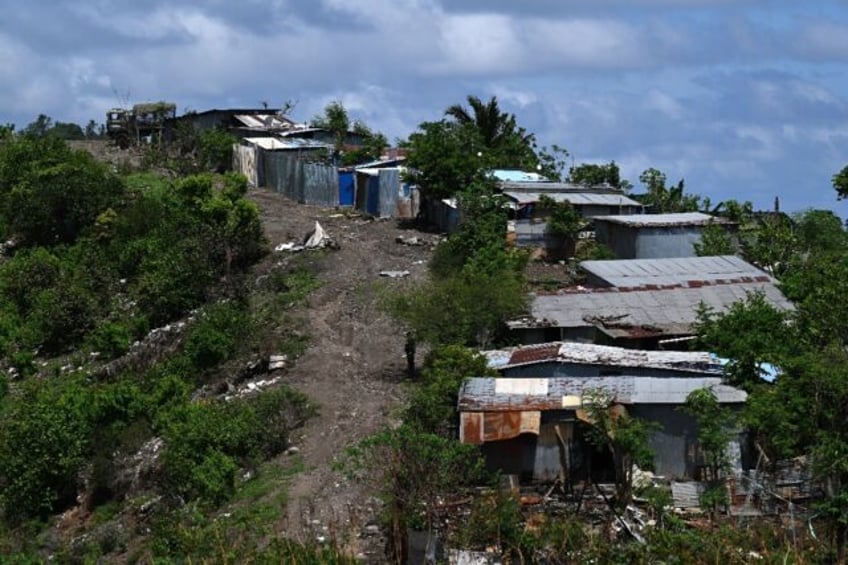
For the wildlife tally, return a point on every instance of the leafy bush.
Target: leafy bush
(279, 411)
(111, 339)
(43, 444)
(215, 149)
(432, 406)
(50, 194)
(217, 334)
(207, 442)
(201, 437)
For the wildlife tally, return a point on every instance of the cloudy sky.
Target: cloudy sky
(745, 99)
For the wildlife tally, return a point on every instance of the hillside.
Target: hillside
(354, 366)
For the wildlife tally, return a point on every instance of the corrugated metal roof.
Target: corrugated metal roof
(575, 198)
(662, 220)
(677, 271)
(592, 354)
(668, 310)
(381, 163)
(272, 143)
(481, 394)
(265, 121)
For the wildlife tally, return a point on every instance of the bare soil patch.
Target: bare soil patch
(354, 367)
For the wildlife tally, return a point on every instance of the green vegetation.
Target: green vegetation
(715, 240)
(802, 413)
(662, 199)
(590, 174)
(103, 260)
(336, 120)
(716, 428)
(623, 436)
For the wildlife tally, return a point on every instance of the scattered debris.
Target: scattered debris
(317, 239)
(276, 362)
(410, 240)
(290, 246)
(394, 274)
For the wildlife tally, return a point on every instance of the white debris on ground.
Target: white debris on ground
(316, 239)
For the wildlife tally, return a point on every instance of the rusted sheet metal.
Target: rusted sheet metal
(563, 393)
(522, 355)
(604, 355)
(481, 427)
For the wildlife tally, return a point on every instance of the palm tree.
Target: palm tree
(496, 128)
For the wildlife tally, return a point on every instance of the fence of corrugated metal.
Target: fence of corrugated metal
(308, 183)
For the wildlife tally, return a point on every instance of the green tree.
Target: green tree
(44, 125)
(662, 199)
(432, 406)
(373, 145)
(772, 245)
(591, 174)
(563, 223)
(215, 149)
(445, 158)
(716, 429)
(412, 472)
(840, 183)
(471, 268)
(449, 155)
(93, 130)
(562, 219)
(498, 131)
(749, 333)
(625, 437)
(49, 193)
(715, 240)
(448, 310)
(335, 119)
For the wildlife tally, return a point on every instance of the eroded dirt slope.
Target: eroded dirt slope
(354, 367)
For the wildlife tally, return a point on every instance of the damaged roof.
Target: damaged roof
(575, 198)
(676, 271)
(273, 143)
(592, 354)
(499, 394)
(264, 121)
(645, 310)
(662, 220)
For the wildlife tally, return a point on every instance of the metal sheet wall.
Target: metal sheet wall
(308, 183)
(245, 162)
(389, 188)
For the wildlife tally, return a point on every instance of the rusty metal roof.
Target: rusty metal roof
(676, 271)
(592, 354)
(500, 394)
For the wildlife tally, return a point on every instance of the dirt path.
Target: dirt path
(354, 366)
